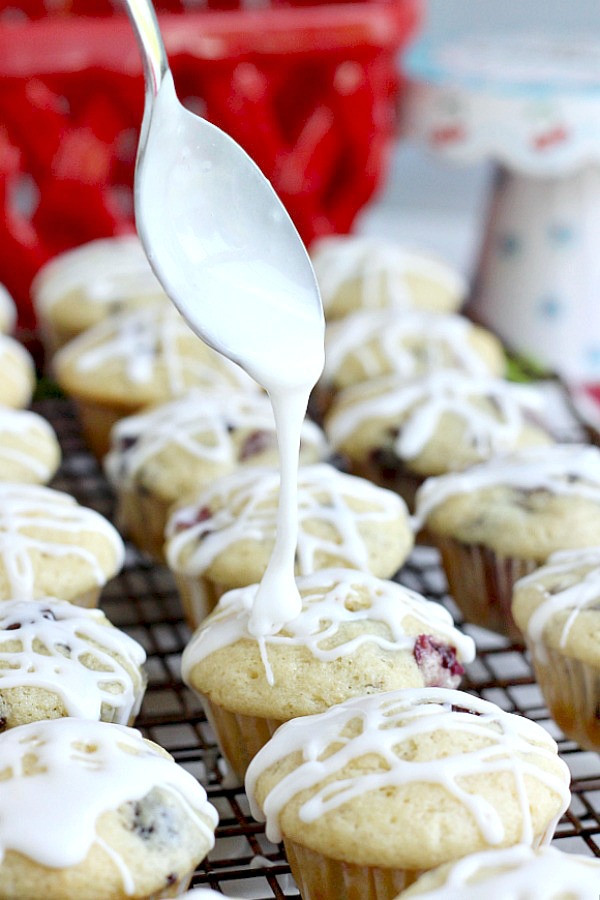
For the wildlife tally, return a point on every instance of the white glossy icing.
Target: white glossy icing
(390, 719)
(492, 426)
(41, 520)
(23, 423)
(340, 259)
(565, 469)
(525, 873)
(83, 770)
(250, 513)
(103, 271)
(329, 601)
(138, 339)
(199, 423)
(55, 636)
(8, 311)
(441, 338)
(579, 596)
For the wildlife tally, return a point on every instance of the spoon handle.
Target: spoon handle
(154, 55)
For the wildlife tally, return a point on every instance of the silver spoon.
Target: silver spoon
(228, 255)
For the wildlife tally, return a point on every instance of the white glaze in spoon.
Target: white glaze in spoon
(229, 257)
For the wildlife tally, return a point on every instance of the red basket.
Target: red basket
(310, 91)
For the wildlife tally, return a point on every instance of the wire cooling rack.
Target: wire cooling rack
(143, 601)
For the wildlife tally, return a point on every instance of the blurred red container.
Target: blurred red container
(310, 90)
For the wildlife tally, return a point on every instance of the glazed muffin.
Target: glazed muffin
(161, 456)
(521, 872)
(377, 790)
(8, 311)
(369, 344)
(57, 659)
(50, 545)
(17, 373)
(134, 360)
(397, 432)
(361, 272)
(557, 608)
(82, 286)
(499, 520)
(29, 449)
(224, 537)
(109, 815)
(356, 634)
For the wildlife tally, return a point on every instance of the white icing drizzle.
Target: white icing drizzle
(199, 423)
(249, 513)
(573, 599)
(8, 311)
(83, 769)
(493, 427)
(27, 514)
(388, 720)
(103, 271)
(138, 339)
(338, 260)
(442, 340)
(68, 633)
(566, 469)
(24, 423)
(16, 370)
(525, 873)
(328, 603)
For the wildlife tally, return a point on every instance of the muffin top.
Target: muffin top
(185, 444)
(356, 634)
(409, 779)
(512, 873)
(29, 447)
(227, 532)
(52, 546)
(358, 271)
(83, 285)
(372, 343)
(17, 373)
(441, 422)
(142, 357)
(558, 605)
(58, 658)
(528, 503)
(8, 311)
(75, 794)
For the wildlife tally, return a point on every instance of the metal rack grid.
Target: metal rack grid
(143, 601)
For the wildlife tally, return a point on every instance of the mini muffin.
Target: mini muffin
(368, 344)
(8, 311)
(92, 811)
(224, 537)
(82, 286)
(57, 659)
(134, 360)
(356, 634)
(522, 872)
(52, 546)
(377, 790)
(363, 272)
(557, 608)
(499, 520)
(160, 456)
(17, 373)
(397, 432)
(29, 449)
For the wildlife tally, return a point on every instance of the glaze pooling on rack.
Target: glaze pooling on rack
(36, 520)
(334, 603)
(494, 412)
(74, 653)
(386, 723)
(83, 769)
(242, 506)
